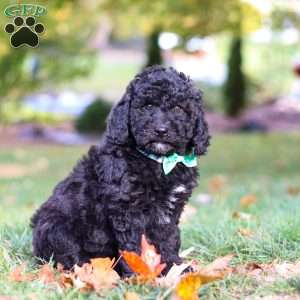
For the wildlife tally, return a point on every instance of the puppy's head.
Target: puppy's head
(161, 112)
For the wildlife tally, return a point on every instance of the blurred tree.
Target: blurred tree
(62, 54)
(190, 18)
(284, 17)
(154, 55)
(235, 87)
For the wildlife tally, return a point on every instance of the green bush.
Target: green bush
(92, 120)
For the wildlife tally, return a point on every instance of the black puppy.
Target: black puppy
(135, 182)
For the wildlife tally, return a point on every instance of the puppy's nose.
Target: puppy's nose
(161, 130)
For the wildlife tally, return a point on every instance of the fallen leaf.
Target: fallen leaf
(46, 274)
(248, 200)
(98, 275)
(245, 232)
(216, 270)
(269, 272)
(19, 275)
(104, 275)
(293, 190)
(131, 296)
(187, 288)
(148, 264)
(217, 183)
(174, 275)
(242, 216)
(251, 268)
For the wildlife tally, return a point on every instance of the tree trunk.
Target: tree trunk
(235, 85)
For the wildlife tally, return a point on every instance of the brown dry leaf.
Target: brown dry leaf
(245, 232)
(270, 272)
(217, 183)
(105, 277)
(242, 216)
(46, 274)
(216, 270)
(293, 190)
(251, 268)
(131, 296)
(248, 200)
(98, 275)
(19, 275)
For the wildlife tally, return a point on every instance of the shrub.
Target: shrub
(92, 120)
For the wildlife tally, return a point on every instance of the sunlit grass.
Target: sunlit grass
(263, 165)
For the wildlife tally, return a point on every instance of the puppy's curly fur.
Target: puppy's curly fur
(115, 194)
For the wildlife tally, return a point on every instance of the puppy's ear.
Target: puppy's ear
(118, 120)
(201, 137)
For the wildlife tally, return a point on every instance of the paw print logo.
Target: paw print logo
(24, 32)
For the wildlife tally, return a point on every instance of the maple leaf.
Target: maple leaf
(248, 200)
(245, 232)
(98, 275)
(187, 288)
(46, 274)
(217, 183)
(19, 275)
(148, 264)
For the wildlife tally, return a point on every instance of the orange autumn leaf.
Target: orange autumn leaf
(46, 274)
(248, 200)
(217, 183)
(148, 264)
(187, 288)
(136, 263)
(245, 232)
(19, 275)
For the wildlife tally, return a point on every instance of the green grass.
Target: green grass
(263, 165)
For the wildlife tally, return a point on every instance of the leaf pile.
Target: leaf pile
(99, 275)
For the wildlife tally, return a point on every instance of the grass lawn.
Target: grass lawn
(266, 166)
